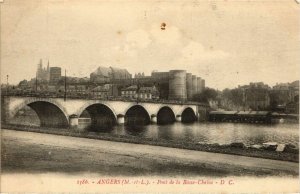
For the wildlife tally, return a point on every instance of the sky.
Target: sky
(226, 42)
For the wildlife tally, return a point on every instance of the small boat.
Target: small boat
(277, 120)
(281, 120)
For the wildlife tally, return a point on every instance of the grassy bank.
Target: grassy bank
(216, 148)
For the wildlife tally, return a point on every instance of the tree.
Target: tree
(237, 96)
(206, 95)
(23, 82)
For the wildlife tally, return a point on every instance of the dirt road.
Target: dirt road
(34, 152)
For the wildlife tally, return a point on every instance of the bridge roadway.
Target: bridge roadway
(57, 112)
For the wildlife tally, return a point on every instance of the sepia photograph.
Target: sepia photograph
(149, 96)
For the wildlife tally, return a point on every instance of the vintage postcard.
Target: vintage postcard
(150, 96)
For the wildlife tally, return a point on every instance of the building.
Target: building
(281, 95)
(256, 96)
(294, 86)
(24, 85)
(139, 75)
(78, 89)
(109, 74)
(173, 85)
(258, 85)
(101, 75)
(78, 80)
(160, 75)
(118, 73)
(130, 92)
(177, 85)
(292, 107)
(146, 93)
(43, 73)
(202, 85)
(55, 74)
(285, 96)
(199, 85)
(189, 86)
(101, 91)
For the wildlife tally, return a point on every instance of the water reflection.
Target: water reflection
(222, 133)
(135, 130)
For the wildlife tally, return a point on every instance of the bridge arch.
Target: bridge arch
(86, 105)
(188, 115)
(137, 115)
(49, 112)
(102, 117)
(165, 115)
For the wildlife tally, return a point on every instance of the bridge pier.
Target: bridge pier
(197, 117)
(73, 122)
(120, 119)
(178, 118)
(153, 119)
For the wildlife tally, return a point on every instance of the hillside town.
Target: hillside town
(111, 83)
(175, 85)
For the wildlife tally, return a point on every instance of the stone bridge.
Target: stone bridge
(56, 112)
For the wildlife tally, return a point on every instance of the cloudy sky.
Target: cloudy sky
(226, 42)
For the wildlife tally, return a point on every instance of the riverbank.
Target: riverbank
(28, 152)
(234, 149)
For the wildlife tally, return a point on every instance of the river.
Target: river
(208, 132)
(221, 133)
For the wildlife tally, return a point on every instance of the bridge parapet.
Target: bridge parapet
(88, 97)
